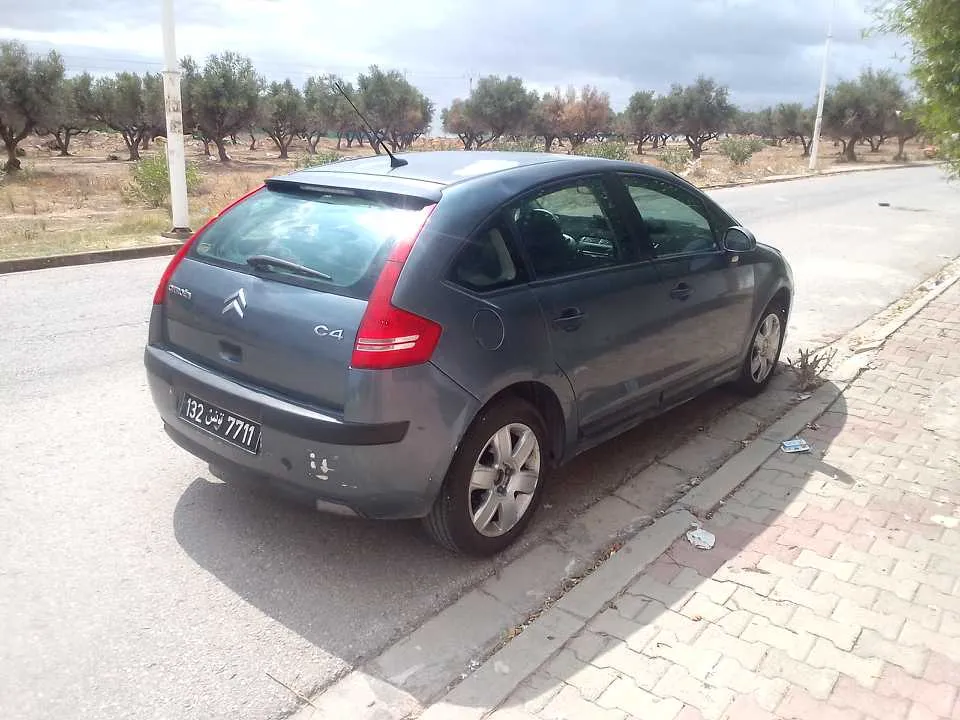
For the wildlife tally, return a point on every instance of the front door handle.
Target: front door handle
(569, 319)
(681, 292)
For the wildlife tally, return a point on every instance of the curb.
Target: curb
(489, 685)
(87, 258)
(771, 179)
(142, 251)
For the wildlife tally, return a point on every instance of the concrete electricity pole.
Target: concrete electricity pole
(815, 144)
(176, 155)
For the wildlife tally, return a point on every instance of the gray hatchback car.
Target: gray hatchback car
(430, 340)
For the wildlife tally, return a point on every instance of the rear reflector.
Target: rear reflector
(388, 336)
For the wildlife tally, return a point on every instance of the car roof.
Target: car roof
(449, 167)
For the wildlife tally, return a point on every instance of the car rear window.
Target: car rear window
(344, 234)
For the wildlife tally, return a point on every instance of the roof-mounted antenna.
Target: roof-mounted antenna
(395, 162)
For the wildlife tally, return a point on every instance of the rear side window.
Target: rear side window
(343, 236)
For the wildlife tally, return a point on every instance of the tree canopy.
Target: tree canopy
(933, 30)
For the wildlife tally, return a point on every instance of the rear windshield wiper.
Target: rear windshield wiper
(267, 262)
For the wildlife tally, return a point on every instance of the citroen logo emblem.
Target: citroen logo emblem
(236, 302)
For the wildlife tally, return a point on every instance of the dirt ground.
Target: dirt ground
(77, 203)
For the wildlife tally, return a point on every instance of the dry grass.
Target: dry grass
(77, 203)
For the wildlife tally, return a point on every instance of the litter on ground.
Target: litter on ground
(701, 539)
(797, 445)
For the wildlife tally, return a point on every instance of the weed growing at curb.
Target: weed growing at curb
(810, 366)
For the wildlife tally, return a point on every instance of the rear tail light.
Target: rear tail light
(388, 336)
(161, 291)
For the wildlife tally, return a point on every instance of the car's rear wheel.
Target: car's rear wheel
(765, 345)
(494, 483)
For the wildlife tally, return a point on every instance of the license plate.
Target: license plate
(231, 428)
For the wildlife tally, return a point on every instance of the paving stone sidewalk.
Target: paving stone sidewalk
(833, 592)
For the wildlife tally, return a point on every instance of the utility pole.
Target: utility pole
(176, 155)
(818, 125)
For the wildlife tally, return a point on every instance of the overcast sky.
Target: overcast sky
(766, 51)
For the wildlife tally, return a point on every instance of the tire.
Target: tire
(760, 364)
(512, 491)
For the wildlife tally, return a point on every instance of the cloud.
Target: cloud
(765, 50)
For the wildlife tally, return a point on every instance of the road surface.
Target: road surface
(133, 585)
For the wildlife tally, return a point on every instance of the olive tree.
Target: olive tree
(326, 110)
(129, 104)
(284, 114)
(586, 115)
(29, 91)
(699, 112)
(222, 98)
(856, 110)
(70, 116)
(395, 108)
(639, 119)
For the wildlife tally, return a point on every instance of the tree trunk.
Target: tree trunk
(806, 145)
(640, 146)
(13, 162)
(63, 141)
(145, 143)
(132, 141)
(313, 140)
(548, 142)
(874, 145)
(349, 138)
(850, 150)
(696, 146)
(221, 150)
(900, 156)
(206, 147)
(339, 140)
(253, 141)
(284, 146)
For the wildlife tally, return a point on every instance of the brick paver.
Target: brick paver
(833, 592)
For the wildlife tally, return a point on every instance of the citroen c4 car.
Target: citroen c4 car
(430, 337)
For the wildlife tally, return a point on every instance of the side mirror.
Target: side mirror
(739, 240)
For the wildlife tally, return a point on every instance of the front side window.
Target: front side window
(675, 221)
(569, 230)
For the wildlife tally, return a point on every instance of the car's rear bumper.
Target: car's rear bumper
(390, 469)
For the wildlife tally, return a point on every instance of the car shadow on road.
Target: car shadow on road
(350, 586)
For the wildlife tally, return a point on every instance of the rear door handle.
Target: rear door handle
(569, 319)
(681, 292)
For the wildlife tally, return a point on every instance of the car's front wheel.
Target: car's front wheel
(765, 345)
(494, 483)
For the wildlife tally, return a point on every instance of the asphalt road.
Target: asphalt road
(133, 585)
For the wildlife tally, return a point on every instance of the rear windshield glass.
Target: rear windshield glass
(345, 236)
